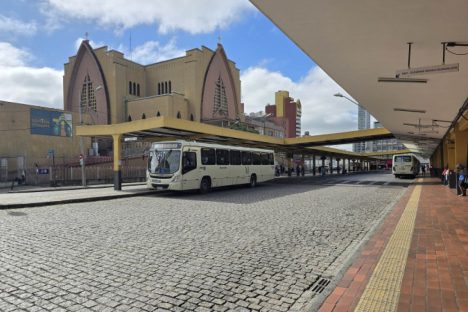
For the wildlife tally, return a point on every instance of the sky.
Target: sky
(38, 36)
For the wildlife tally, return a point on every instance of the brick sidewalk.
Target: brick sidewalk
(436, 274)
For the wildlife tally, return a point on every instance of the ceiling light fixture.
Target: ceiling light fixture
(406, 80)
(409, 110)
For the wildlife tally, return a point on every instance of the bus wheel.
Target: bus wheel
(205, 185)
(253, 180)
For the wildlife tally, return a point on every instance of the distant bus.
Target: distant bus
(182, 165)
(406, 165)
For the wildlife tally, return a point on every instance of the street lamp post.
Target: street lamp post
(264, 122)
(361, 110)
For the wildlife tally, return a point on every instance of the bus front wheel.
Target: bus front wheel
(205, 185)
(253, 180)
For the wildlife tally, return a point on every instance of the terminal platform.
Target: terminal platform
(417, 260)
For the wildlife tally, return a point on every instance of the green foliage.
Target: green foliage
(242, 127)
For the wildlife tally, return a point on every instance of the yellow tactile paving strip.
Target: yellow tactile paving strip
(383, 290)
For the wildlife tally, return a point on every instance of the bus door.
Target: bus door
(190, 176)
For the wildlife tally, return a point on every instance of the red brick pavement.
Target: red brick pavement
(436, 274)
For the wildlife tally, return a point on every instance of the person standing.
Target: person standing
(462, 180)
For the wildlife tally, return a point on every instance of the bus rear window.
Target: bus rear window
(403, 159)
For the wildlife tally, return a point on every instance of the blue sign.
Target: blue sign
(42, 171)
(48, 122)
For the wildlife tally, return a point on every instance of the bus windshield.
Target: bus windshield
(403, 159)
(165, 161)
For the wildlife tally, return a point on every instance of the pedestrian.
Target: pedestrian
(298, 170)
(462, 180)
(423, 170)
(302, 170)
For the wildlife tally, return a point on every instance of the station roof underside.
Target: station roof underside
(164, 128)
(364, 45)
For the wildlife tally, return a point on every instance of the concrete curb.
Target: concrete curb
(76, 200)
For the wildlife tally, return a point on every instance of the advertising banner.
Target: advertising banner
(54, 123)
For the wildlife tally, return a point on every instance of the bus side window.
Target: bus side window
(208, 156)
(271, 159)
(265, 160)
(235, 157)
(246, 158)
(189, 161)
(257, 160)
(222, 157)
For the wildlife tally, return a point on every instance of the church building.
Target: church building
(202, 86)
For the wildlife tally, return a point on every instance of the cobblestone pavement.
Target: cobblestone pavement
(241, 249)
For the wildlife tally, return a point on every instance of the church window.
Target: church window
(158, 114)
(165, 87)
(191, 117)
(143, 116)
(138, 89)
(220, 99)
(134, 89)
(88, 99)
(170, 87)
(159, 88)
(129, 87)
(178, 115)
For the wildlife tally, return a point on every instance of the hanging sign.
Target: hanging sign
(445, 68)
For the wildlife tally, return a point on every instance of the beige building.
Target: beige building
(202, 86)
(36, 135)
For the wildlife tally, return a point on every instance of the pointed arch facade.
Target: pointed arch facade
(87, 70)
(219, 96)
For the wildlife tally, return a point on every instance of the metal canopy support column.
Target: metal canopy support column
(338, 165)
(313, 164)
(322, 169)
(289, 156)
(117, 148)
(331, 165)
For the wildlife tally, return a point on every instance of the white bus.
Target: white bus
(406, 165)
(182, 165)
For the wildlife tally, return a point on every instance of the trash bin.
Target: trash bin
(452, 179)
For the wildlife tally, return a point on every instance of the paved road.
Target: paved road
(241, 249)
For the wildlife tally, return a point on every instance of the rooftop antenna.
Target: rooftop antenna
(219, 39)
(86, 35)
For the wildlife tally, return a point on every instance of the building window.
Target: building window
(191, 117)
(143, 116)
(178, 115)
(129, 87)
(134, 89)
(170, 87)
(87, 99)
(129, 118)
(138, 89)
(165, 87)
(159, 89)
(158, 114)
(220, 99)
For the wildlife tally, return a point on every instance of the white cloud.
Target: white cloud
(92, 43)
(30, 85)
(153, 51)
(321, 111)
(201, 16)
(11, 26)
(146, 53)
